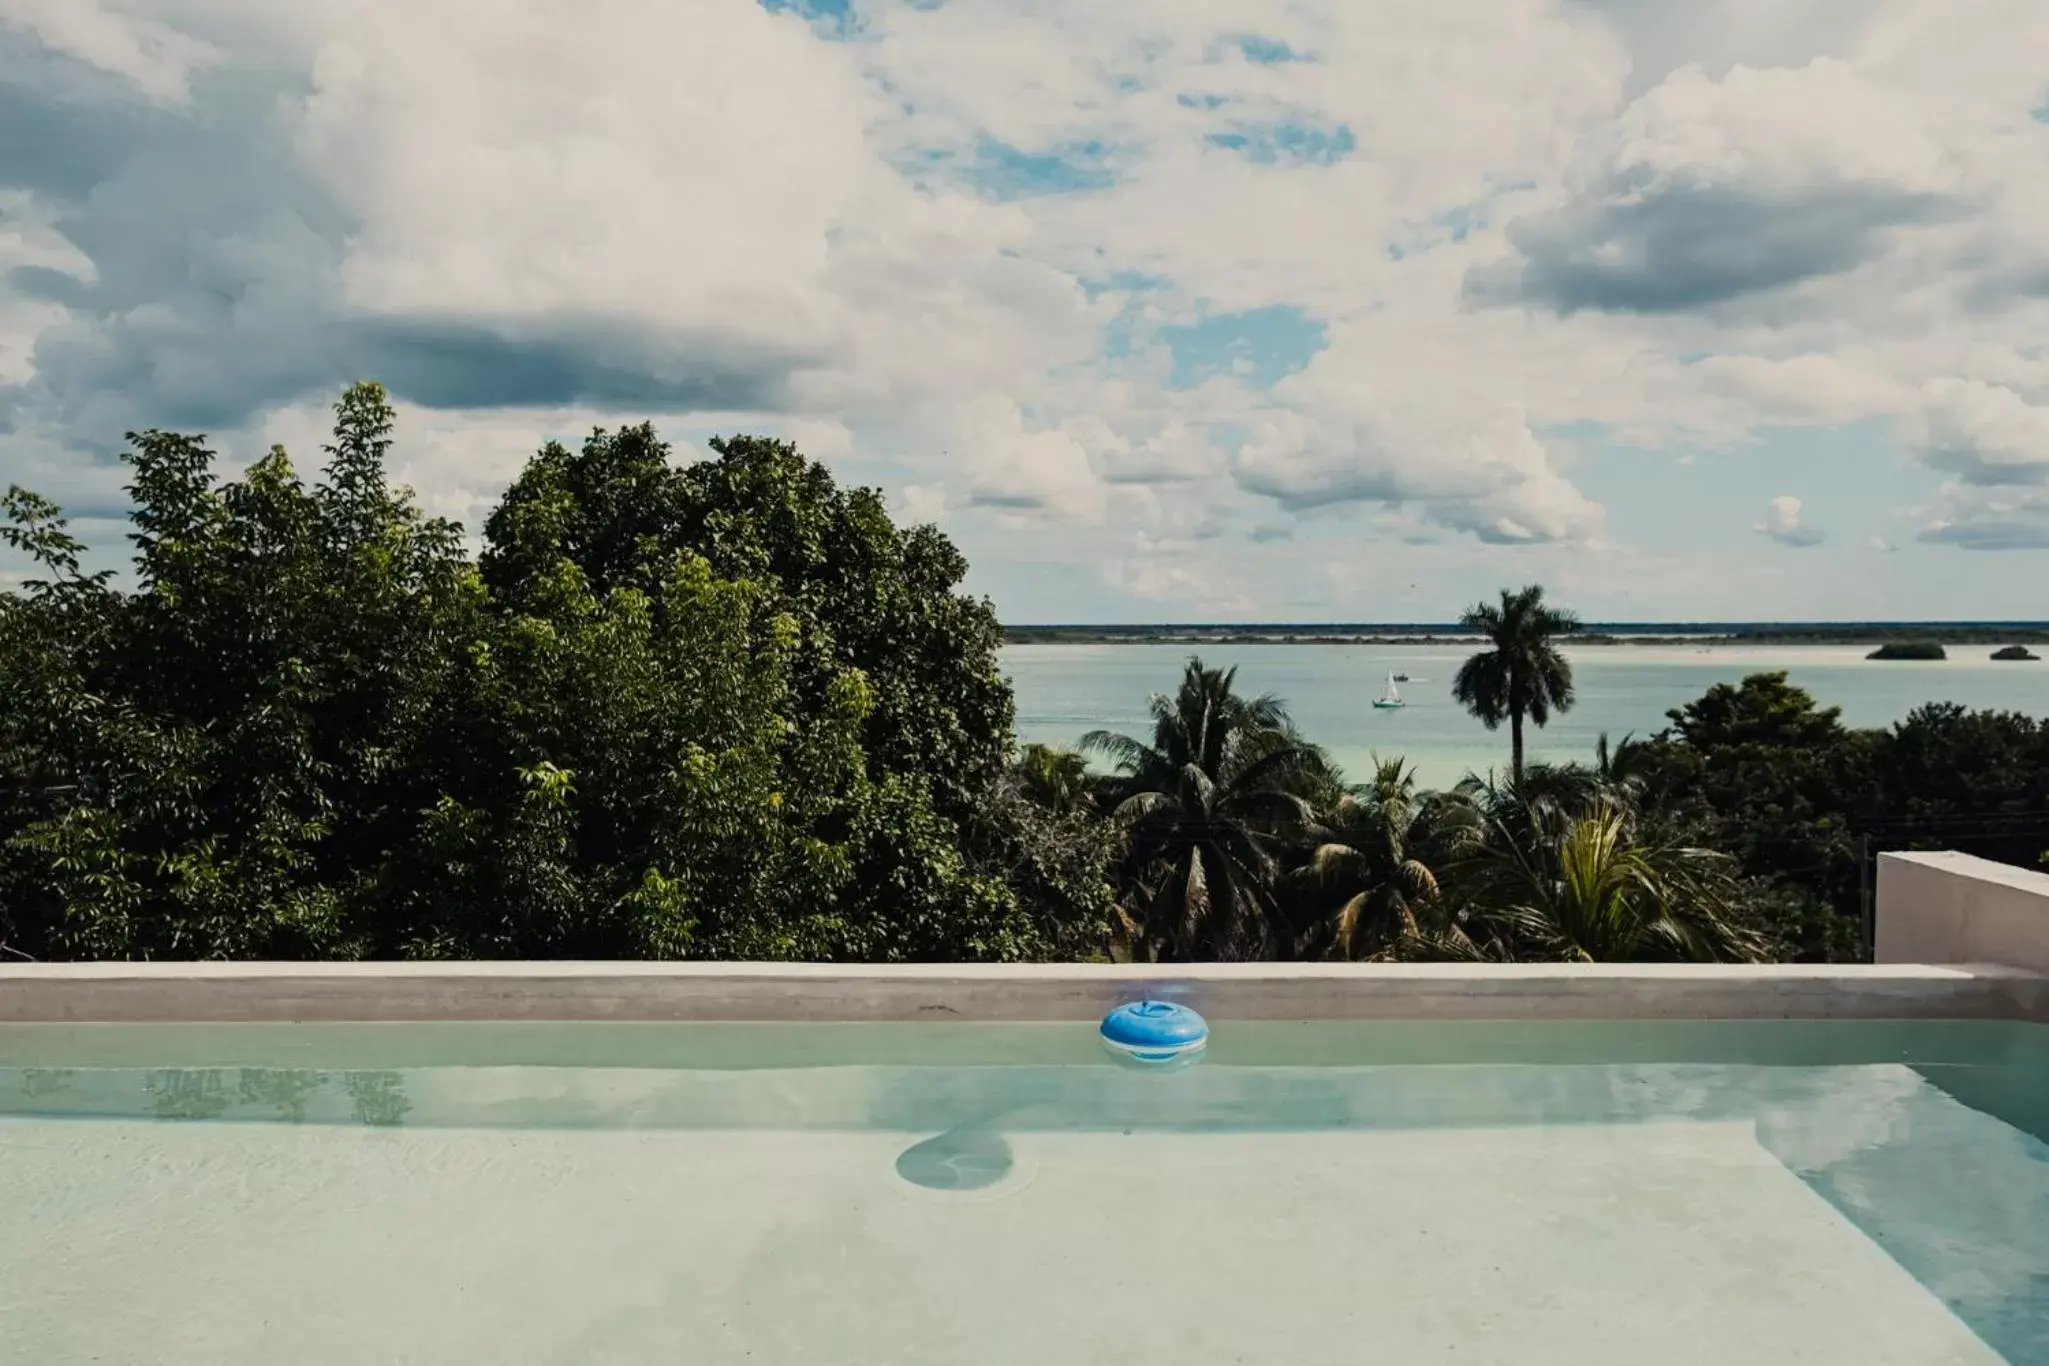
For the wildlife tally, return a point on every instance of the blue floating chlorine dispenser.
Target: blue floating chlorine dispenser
(1154, 1032)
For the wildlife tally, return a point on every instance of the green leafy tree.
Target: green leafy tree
(864, 594)
(1207, 807)
(1764, 709)
(1781, 785)
(928, 872)
(316, 730)
(240, 711)
(632, 783)
(1957, 778)
(57, 733)
(1521, 673)
(1802, 800)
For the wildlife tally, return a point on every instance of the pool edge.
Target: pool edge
(281, 992)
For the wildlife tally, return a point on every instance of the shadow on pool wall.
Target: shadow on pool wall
(2012, 1094)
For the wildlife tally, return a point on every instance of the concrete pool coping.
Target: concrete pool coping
(141, 993)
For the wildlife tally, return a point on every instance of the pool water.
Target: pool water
(906, 1194)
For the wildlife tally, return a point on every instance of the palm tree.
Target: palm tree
(1624, 762)
(1206, 806)
(1377, 855)
(1570, 785)
(1593, 884)
(1621, 773)
(1057, 779)
(1522, 674)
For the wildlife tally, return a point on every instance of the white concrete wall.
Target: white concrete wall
(146, 992)
(1956, 908)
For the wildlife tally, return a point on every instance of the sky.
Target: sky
(1164, 310)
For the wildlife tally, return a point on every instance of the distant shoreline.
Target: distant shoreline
(1599, 633)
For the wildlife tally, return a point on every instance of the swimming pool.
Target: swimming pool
(1862, 1191)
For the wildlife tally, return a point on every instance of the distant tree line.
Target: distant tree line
(728, 709)
(1672, 633)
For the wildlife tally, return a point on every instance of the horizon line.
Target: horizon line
(1982, 623)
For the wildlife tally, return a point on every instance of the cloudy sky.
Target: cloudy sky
(1164, 309)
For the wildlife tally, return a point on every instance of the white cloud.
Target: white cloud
(1783, 523)
(1176, 453)
(1704, 191)
(1492, 478)
(522, 177)
(1806, 389)
(156, 59)
(1985, 434)
(487, 163)
(1783, 129)
(1182, 589)
(29, 243)
(1973, 517)
(1013, 466)
(915, 503)
(1689, 222)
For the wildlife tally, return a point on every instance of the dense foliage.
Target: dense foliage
(1561, 863)
(719, 710)
(1804, 802)
(730, 709)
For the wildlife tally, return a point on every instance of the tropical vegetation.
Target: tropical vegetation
(729, 709)
(1205, 810)
(1521, 674)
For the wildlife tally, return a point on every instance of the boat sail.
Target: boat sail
(1390, 699)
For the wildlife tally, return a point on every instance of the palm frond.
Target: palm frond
(1129, 755)
(1345, 941)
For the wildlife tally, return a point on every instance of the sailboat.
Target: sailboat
(1390, 699)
